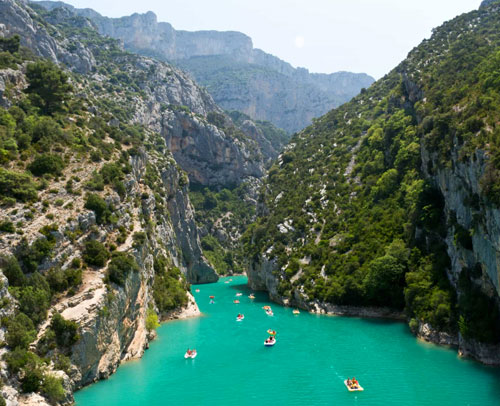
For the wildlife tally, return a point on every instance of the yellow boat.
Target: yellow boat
(296, 311)
(251, 296)
(358, 387)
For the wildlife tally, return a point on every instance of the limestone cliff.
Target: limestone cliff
(162, 130)
(392, 200)
(238, 76)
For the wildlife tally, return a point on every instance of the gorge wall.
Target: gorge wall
(238, 76)
(390, 200)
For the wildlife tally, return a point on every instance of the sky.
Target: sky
(326, 36)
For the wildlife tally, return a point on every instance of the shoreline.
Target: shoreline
(189, 311)
(487, 354)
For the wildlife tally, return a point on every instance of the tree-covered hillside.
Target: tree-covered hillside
(362, 208)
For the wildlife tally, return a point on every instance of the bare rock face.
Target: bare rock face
(238, 76)
(207, 154)
(18, 20)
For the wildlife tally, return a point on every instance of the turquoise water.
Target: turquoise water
(307, 366)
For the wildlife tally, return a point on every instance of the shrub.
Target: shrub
(32, 255)
(20, 331)
(33, 301)
(17, 185)
(52, 388)
(66, 331)
(120, 266)
(99, 206)
(48, 86)
(47, 130)
(111, 172)
(10, 44)
(12, 270)
(95, 253)
(7, 226)
(32, 380)
(139, 239)
(57, 280)
(152, 320)
(47, 163)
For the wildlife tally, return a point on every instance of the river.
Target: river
(307, 366)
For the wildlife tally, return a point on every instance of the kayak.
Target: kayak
(269, 343)
(239, 294)
(271, 332)
(358, 389)
(192, 355)
(236, 301)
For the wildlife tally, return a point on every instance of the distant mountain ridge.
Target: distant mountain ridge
(238, 76)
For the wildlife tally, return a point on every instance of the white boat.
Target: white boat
(240, 318)
(270, 343)
(239, 294)
(269, 313)
(358, 388)
(192, 355)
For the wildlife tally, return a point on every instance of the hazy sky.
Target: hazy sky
(370, 36)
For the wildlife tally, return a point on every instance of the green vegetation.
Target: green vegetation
(228, 211)
(152, 320)
(48, 86)
(354, 218)
(46, 163)
(95, 253)
(120, 266)
(169, 287)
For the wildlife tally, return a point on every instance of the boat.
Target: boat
(251, 296)
(212, 297)
(270, 342)
(266, 307)
(358, 387)
(191, 354)
(212, 301)
(296, 311)
(239, 294)
(269, 312)
(236, 301)
(240, 317)
(271, 332)
(226, 282)
(197, 290)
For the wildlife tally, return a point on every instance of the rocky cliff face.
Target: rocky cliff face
(170, 140)
(324, 235)
(238, 76)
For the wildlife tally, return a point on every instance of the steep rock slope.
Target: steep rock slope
(97, 232)
(392, 199)
(238, 76)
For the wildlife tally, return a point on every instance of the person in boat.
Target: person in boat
(354, 383)
(188, 351)
(349, 382)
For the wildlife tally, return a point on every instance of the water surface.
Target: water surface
(307, 366)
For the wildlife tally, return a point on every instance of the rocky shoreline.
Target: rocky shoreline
(189, 311)
(488, 354)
